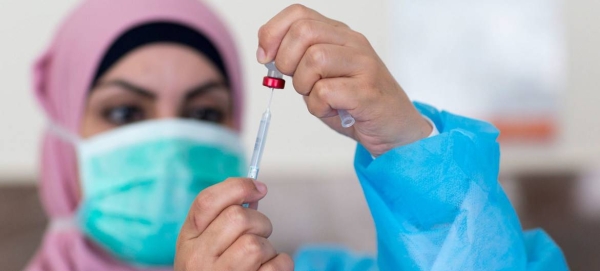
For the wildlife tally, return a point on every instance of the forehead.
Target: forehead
(164, 67)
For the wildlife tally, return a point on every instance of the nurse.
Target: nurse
(140, 164)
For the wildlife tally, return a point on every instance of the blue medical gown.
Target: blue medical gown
(437, 205)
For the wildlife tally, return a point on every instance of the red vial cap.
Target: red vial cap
(272, 82)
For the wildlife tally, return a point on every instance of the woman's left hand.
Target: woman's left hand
(334, 68)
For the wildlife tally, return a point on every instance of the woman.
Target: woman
(139, 169)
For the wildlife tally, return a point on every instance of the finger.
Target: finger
(332, 94)
(282, 262)
(271, 34)
(304, 33)
(213, 200)
(248, 253)
(232, 223)
(329, 61)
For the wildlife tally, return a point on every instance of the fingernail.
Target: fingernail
(261, 187)
(261, 55)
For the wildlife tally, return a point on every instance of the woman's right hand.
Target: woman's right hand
(220, 234)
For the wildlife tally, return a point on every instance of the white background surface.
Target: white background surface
(489, 57)
(297, 141)
(514, 59)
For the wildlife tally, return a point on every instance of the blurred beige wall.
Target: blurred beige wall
(297, 141)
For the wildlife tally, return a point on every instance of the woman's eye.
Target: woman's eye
(122, 115)
(206, 114)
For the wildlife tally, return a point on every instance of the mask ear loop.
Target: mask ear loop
(62, 224)
(63, 133)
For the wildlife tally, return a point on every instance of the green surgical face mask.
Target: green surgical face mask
(140, 180)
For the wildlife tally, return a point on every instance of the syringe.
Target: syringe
(273, 80)
(261, 139)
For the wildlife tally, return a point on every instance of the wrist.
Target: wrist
(421, 127)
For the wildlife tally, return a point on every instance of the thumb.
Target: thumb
(213, 200)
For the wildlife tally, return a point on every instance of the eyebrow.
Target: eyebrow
(192, 93)
(128, 86)
(206, 87)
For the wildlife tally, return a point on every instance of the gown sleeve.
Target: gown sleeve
(437, 205)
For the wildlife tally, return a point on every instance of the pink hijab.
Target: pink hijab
(62, 77)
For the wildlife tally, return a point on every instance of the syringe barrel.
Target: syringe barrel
(259, 145)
